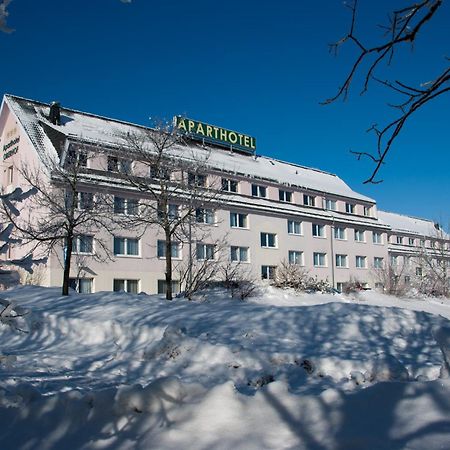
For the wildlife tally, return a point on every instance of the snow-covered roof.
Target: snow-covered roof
(102, 130)
(413, 225)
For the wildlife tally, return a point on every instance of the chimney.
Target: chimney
(55, 113)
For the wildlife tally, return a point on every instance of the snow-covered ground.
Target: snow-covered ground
(280, 371)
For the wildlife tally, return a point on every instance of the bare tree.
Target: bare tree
(434, 264)
(64, 211)
(402, 28)
(176, 195)
(392, 276)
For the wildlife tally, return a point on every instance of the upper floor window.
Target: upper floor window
(79, 200)
(399, 239)
(330, 204)
(377, 237)
(367, 211)
(159, 173)
(318, 230)
(309, 200)
(121, 165)
(361, 262)
(229, 185)
(294, 227)
(239, 254)
(259, 191)
(339, 233)
(171, 213)
(394, 260)
(76, 157)
(295, 257)
(419, 271)
(319, 259)
(360, 236)
(205, 251)
(83, 244)
(196, 179)
(238, 220)
(350, 208)
(10, 178)
(126, 246)
(175, 249)
(268, 240)
(127, 206)
(378, 262)
(285, 196)
(204, 215)
(422, 242)
(341, 261)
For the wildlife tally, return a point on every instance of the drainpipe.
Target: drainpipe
(332, 251)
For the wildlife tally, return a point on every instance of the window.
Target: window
(378, 262)
(203, 215)
(83, 244)
(318, 230)
(238, 220)
(172, 211)
(83, 200)
(399, 240)
(294, 227)
(309, 200)
(259, 191)
(159, 173)
(339, 233)
(295, 257)
(229, 185)
(419, 271)
(162, 286)
(377, 237)
(10, 175)
(268, 272)
(320, 259)
(81, 285)
(422, 243)
(268, 240)
(285, 196)
(367, 210)
(196, 179)
(126, 246)
(76, 157)
(131, 286)
(407, 280)
(339, 286)
(330, 204)
(127, 206)
(350, 208)
(359, 236)
(341, 261)
(239, 254)
(121, 165)
(361, 262)
(175, 249)
(205, 251)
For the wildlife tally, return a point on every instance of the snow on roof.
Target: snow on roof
(408, 224)
(90, 127)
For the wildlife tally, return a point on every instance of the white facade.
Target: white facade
(280, 211)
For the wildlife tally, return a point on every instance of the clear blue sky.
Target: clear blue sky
(258, 67)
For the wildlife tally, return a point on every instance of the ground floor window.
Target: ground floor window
(339, 286)
(81, 285)
(162, 286)
(268, 272)
(131, 286)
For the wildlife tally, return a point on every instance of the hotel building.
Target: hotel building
(271, 211)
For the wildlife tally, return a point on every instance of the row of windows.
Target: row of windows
(123, 165)
(402, 240)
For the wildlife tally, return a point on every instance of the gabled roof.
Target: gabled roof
(111, 132)
(413, 225)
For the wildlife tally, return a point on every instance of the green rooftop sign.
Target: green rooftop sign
(215, 135)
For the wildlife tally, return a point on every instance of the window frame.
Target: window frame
(259, 191)
(341, 260)
(238, 251)
(126, 241)
(291, 225)
(361, 258)
(320, 228)
(295, 257)
(285, 196)
(318, 258)
(236, 218)
(227, 185)
(266, 237)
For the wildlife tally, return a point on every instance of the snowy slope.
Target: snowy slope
(113, 370)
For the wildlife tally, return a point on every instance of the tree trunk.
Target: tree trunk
(168, 266)
(67, 259)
